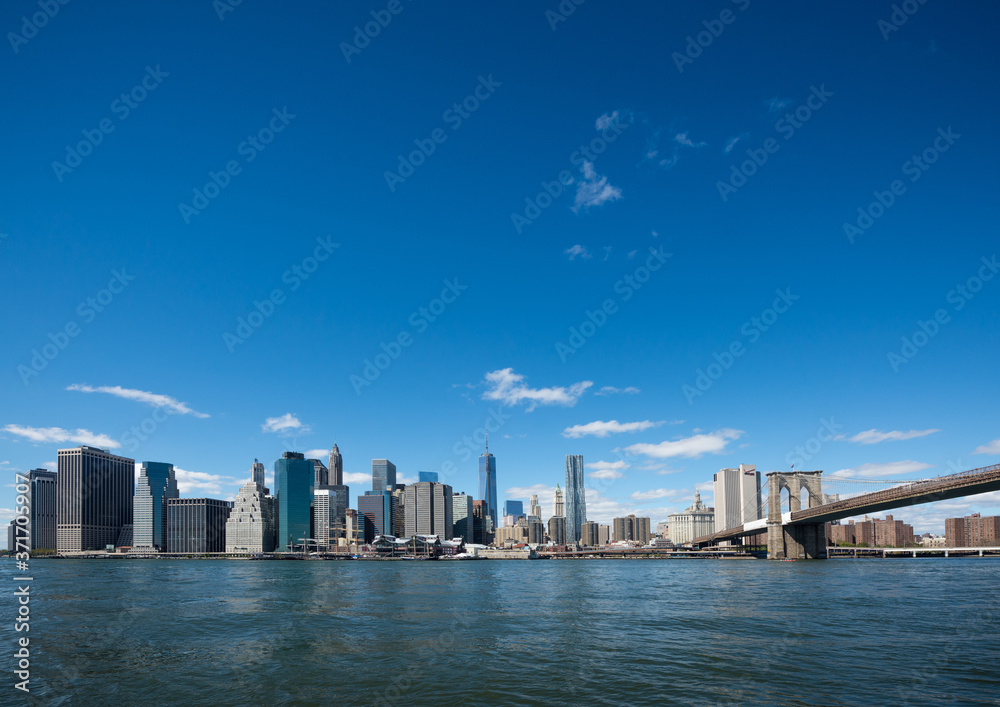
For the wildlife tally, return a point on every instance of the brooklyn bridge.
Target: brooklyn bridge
(799, 533)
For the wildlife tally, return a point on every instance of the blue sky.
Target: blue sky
(185, 166)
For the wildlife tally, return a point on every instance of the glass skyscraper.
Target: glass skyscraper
(293, 475)
(576, 499)
(156, 485)
(513, 508)
(488, 488)
(383, 475)
(94, 498)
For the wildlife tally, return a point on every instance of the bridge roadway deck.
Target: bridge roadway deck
(942, 488)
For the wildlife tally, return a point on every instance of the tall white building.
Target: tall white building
(737, 497)
(533, 508)
(329, 515)
(251, 526)
(695, 522)
(257, 473)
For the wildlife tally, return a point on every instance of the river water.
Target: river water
(603, 632)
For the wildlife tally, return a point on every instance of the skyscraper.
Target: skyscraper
(321, 475)
(513, 508)
(488, 488)
(737, 497)
(557, 530)
(94, 502)
(257, 474)
(461, 515)
(294, 475)
(558, 507)
(329, 515)
(429, 510)
(250, 526)
(576, 499)
(375, 515)
(383, 475)
(197, 525)
(43, 514)
(155, 487)
(534, 509)
(589, 534)
(336, 466)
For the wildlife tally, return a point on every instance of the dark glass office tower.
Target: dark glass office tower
(43, 514)
(94, 490)
(293, 475)
(488, 489)
(576, 498)
(383, 475)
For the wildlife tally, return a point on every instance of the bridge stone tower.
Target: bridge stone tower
(803, 541)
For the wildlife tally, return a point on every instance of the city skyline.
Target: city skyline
(705, 263)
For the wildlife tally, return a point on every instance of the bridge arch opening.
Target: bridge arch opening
(804, 497)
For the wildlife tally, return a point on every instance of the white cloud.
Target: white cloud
(991, 448)
(51, 466)
(611, 390)
(683, 139)
(606, 474)
(322, 454)
(507, 386)
(776, 104)
(593, 189)
(152, 399)
(57, 435)
(285, 425)
(695, 446)
(543, 491)
(200, 483)
(731, 143)
(358, 477)
(874, 471)
(606, 121)
(607, 470)
(876, 436)
(578, 250)
(655, 493)
(599, 428)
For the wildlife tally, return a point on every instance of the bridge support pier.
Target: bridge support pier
(805, 541)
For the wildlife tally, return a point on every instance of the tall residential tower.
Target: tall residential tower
(576, 499)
